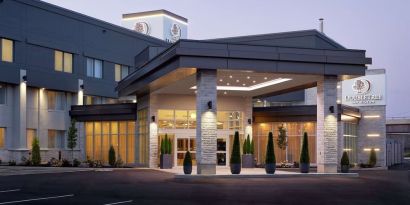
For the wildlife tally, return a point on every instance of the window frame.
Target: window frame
(59, 139)
(93, 68)
(63, 61)
(118, 70)
(3, 86)
(63, 100)
(12, 50)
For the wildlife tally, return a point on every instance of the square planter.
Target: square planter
(165, 161)
(247, 161)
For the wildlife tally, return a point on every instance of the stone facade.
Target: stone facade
(206, 131)
(327, 125)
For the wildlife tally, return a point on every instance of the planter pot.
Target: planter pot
(235, 168)
(270, 168)
(188, 169)
(165, 161)
(345, 168)
(247, 161)
(304, 167)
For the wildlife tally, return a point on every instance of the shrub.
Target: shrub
(252, 148)
(247, 146)
(72, 138)
(12, 163)
(345, 159)
(270, 151)
(25, 161)
(53, 162)
(372, 158)
(166, 145)
(119, 162)
(76, 163)
(111, 156)
(187, 159)
(304, 154)
(236, 152)
(65, 163)
(35, 155)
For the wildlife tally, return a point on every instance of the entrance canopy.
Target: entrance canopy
(247, 66)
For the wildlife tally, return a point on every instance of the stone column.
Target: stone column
(206, 134)
(20, 141)
(327, 125)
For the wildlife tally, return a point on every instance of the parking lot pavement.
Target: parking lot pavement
(22, 170)
(143, 186)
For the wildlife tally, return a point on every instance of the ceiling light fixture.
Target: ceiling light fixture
(253, 87)
(237, 81)
(248, 77)
(220, 80)
(230, 76)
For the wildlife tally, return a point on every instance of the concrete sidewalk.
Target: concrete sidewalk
(25, 170)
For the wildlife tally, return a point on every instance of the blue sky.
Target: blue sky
(380, 27)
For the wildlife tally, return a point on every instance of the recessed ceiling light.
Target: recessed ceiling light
(225, 93)
(220, 80)
(227, 84)
(244, 84)
(248, 77)
(265, 78)
(254, 81)
(237, 81)
(230, 76)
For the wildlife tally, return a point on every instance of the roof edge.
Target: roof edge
(155, 12)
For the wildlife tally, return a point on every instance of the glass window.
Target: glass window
(143, 142)
(350, 140)
(94, 68)
(55, 100)
(68, 62)
(7, 50)
(63, 61)
(2, 137)
(121, 71)
(56, 139)
(181, 119)
(124, 71)
(166, 119)
(117, 72)
(30, 135)
(3, 94)
(58, 60)
(229, 120)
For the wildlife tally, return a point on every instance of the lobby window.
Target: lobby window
(350, 140)
(94, 68)
(55, 100)
(56, 139)
(229, 120)
(2, 137)
(7, 50)
(3, 94)
(63, 61)
(143, 136)
(121, 71)
(30, 135)
(92, 100)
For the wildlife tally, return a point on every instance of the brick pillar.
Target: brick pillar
(327, 125)
(206, 121)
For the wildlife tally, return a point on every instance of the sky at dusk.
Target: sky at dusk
(380, 27)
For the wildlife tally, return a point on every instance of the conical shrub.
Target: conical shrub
(304, 154)
(236, 152)
(270, 151)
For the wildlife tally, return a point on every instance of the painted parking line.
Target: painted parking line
(37, 199)
(120, 202)
(10, 190)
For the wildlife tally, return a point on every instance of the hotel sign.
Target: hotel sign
(364, 91)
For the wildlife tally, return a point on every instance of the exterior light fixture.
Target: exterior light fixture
(153, 118)
(249, 121)
(24, 78)
(373, 135)
(332, 109)
(209, 105)
(371, 116)
(252, 87)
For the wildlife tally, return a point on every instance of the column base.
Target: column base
(327, 168)
(206, 169)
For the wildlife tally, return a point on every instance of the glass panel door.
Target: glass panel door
(183, 145)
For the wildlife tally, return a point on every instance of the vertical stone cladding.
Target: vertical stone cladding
(153, 131)
(372, 134)
(327, 125)
(206, 134)
(248, 108)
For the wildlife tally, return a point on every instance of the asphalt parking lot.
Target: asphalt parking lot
(154, 187)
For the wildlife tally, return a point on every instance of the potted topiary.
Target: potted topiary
(372, 158)
(111, 156)
(166, 158)
(344, 163)
(247, 157)
(270, 161)
(187, 163)
(235, 162)
(304, 155)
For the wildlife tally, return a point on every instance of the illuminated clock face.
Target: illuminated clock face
(142, 27)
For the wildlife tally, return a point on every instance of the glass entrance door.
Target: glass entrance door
(185, 144)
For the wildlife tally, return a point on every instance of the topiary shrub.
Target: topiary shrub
(187, 163)
(235, 161)
(35, 155)
(372, 158)
(304, 155)
(270, 161)
(345, 163)
(111, 156)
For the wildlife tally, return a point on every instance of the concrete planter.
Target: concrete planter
(270, 168)
(247, 161)
(344, 168)
(165, 161)
(235, 168)
(304, 167)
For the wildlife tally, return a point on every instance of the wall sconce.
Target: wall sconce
(24, 78)
(332, 109)
(249, 121)
(82, 86)
(153, 118)
(209, 105)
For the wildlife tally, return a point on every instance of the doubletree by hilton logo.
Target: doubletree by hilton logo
(142, 27)
(361, 86)
(175, 32)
